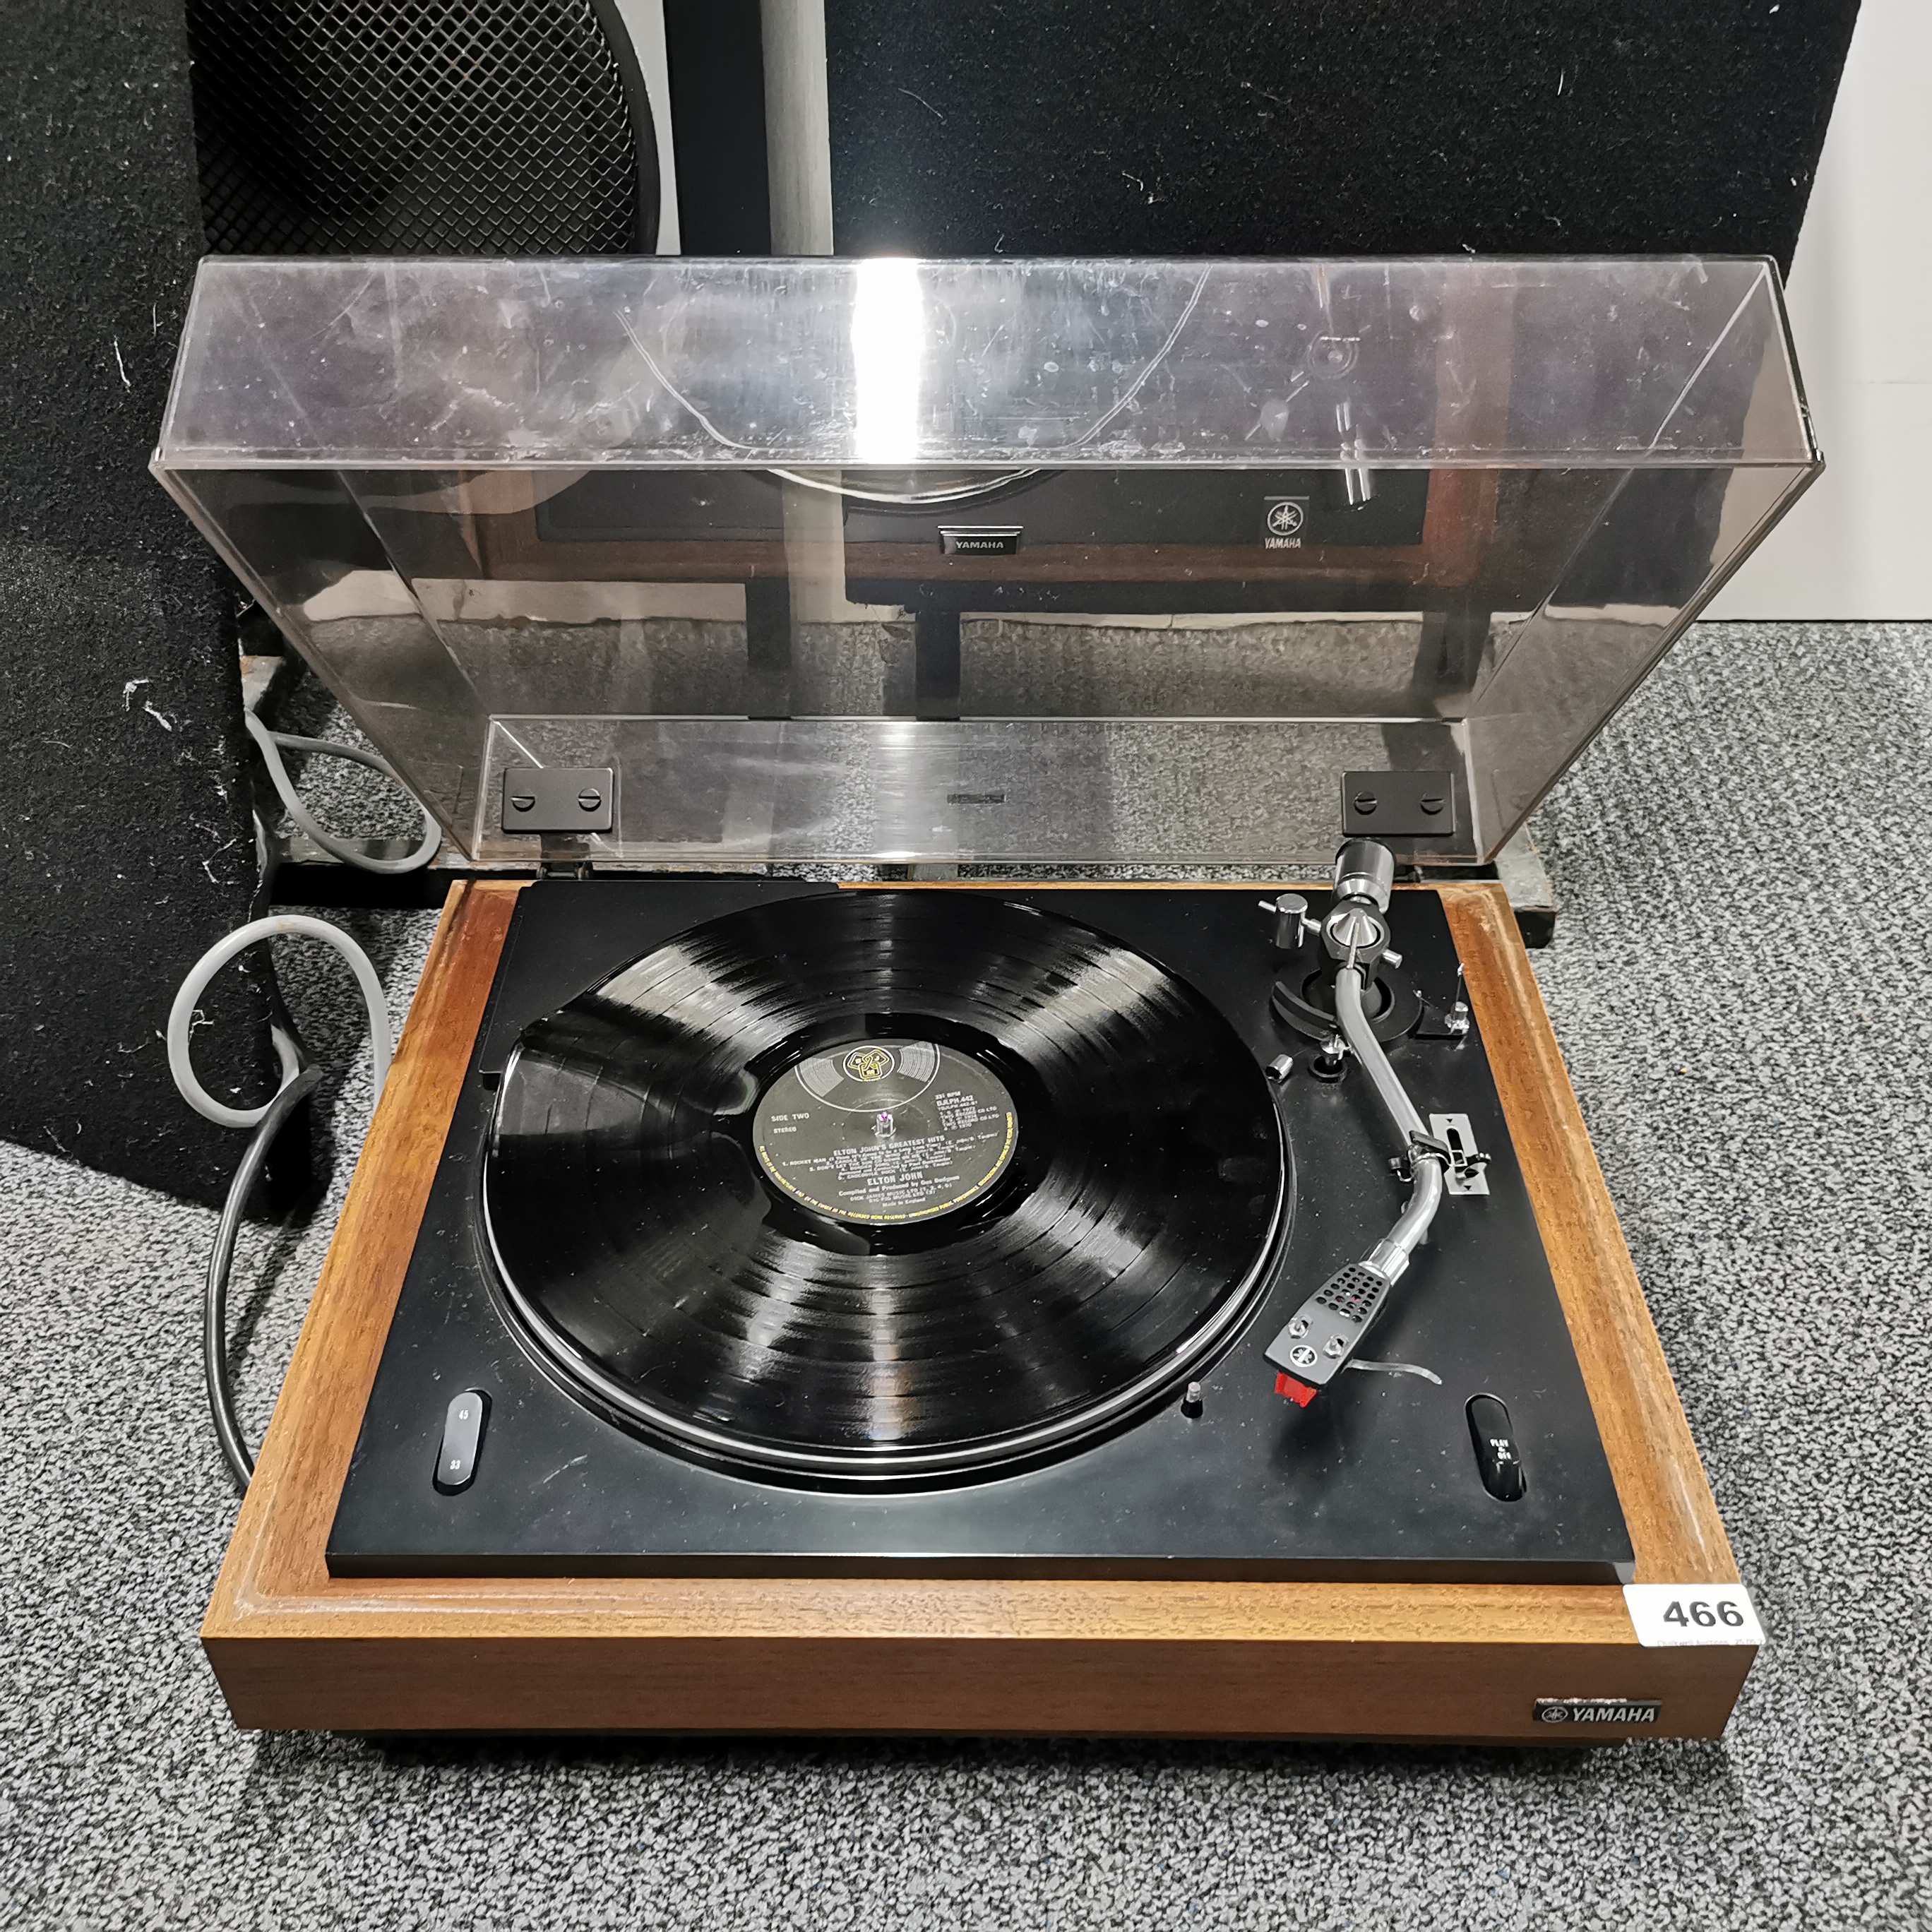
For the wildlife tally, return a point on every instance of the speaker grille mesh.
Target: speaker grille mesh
(413, 126)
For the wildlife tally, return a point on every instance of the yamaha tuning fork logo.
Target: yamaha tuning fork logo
(1283, 518)
(1597, 1710)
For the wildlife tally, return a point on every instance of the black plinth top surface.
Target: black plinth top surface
(1378, 1480)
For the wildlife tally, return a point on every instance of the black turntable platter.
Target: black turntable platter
(865, 1383)
(882, 1188)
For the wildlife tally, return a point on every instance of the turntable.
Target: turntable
(981, 1292)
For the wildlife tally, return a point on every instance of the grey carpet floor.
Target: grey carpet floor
(1741, 983)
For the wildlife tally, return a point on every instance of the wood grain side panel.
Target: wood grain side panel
(1031, 1610)
(283, 1529)
(1316, 1687)
(1673, 1518)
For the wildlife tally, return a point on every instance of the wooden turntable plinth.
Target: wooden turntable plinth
(295, 1649)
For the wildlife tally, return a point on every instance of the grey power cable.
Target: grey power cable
(273, 744)
(299, 1079)
(235, 1450)
(181, 1016)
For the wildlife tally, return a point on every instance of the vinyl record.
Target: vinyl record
(882, 1187)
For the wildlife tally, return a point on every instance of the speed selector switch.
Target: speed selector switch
(1498, 1460)
(462, 1439)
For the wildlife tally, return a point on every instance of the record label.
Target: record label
(886, 1130)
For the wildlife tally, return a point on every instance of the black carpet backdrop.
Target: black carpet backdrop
(125, 847)
(1328, 126)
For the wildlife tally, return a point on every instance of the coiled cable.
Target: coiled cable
(299, 1077)
(272, 744)
(181, 1015)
